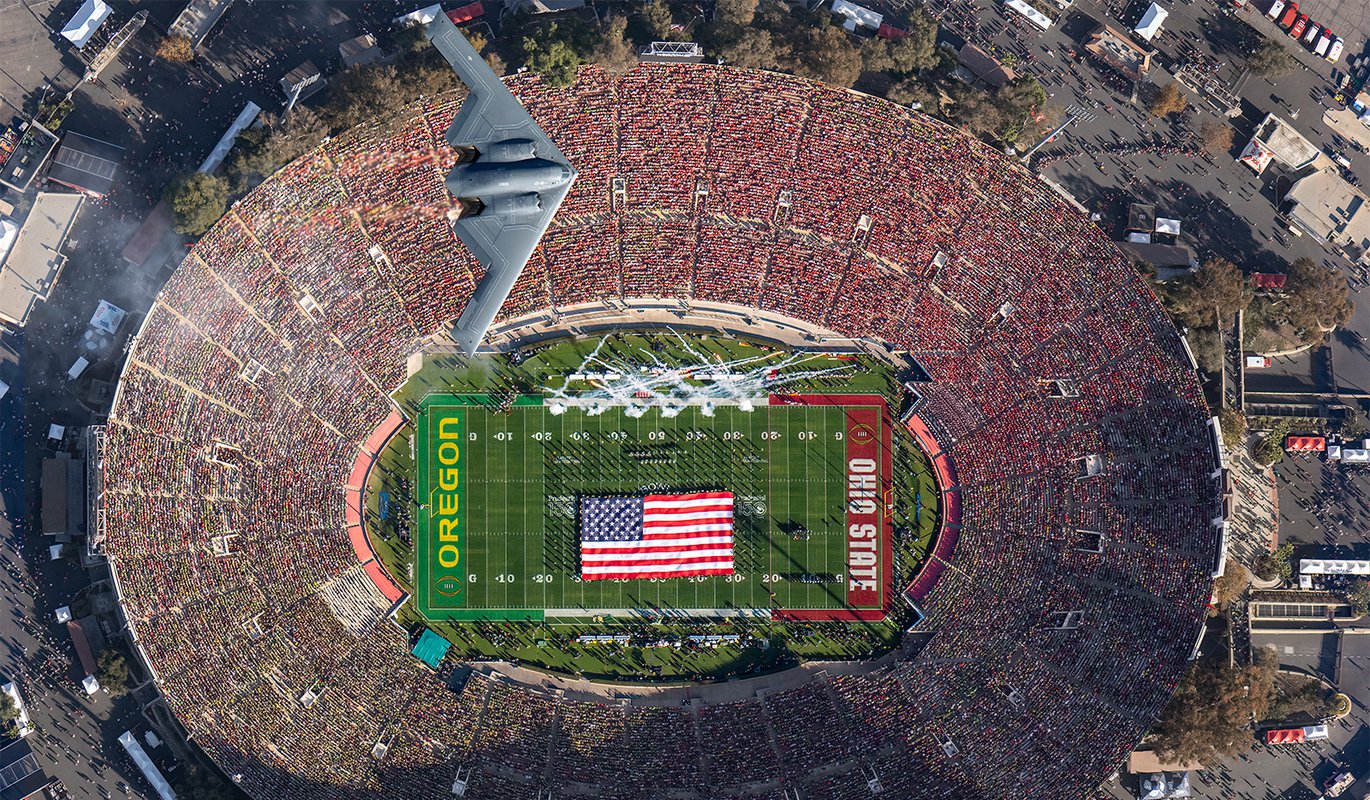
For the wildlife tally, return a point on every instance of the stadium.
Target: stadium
(1078, 508)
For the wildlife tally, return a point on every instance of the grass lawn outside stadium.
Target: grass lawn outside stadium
(494, 539)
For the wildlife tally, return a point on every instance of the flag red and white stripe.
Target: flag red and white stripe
(656, 536)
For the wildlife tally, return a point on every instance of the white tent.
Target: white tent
(1033, 15)
(423, 16)
(86, 22)
(9, 231)
(108, 317)
(1151, 21)
(1168, 226)
(856, 15)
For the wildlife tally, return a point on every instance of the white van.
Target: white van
(1324, 44)
(1275, 9)
(77, 368)
(1335, 52)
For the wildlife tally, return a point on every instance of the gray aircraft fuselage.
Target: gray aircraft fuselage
(488, 181)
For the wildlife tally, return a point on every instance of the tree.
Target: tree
(1317, 302)
(976, 110)
(614, 52)
(875, 55)
(754, 49)
(197, 200)
(1270, 60)
(1267, 451)
(261, 151)
(175, 48)
(1274, 565)
(9, 716)
(825, 53)
(1168, 100)
(1230, 585)
(912, 91)
(111, 670)
(410, 39)
(366, 93)
(1219, 290)
(1019, 101)
(1359, 597)
(1215, 136)
(656, 16)
(556, 63)
(1209, 717)
(1233, 423)
(918, 50)
(735, 12)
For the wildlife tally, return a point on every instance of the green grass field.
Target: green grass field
(493, 627)
(522, 472)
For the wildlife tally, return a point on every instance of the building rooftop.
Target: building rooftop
(359, 50)
(23, 149)
(86, 164)
(1117, 49)
(35, 261)
(1286, 144)
(982, 67)
(198, 18)
(1328, 207)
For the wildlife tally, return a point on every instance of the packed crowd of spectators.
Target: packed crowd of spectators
(269, 355)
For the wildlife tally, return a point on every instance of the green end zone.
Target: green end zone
(496, 534)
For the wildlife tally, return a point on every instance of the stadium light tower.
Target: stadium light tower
(509, 181)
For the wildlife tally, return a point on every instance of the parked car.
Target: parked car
(1299, 25)
(1311, 34)
(1334, 52)
(1324, 44)
(1291, 13)
(1275, 9)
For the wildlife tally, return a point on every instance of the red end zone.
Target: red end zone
(870, 463)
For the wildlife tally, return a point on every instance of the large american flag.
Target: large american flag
(657, 536)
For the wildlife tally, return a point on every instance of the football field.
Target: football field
(497, 527)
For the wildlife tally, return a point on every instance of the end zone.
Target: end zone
(870, 465)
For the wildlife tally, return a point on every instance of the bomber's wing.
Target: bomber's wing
(490, 113)
(503, 245)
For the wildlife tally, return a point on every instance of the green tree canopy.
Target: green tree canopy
(196, 200)
(1209, 718)
(111, 670)
(918, 50)
(826, 53)
(556, 63)
(913, 90)
(613, 51)
(1359, 597)
(735, 12)
(1271, 60)
(9, 715)
(1275, 564)
(656, 16)
(261, 151)
(1317, 302)
(1219, 290)
(754, 48)
(366, 93)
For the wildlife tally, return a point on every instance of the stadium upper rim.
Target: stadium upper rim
(1087, 539)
